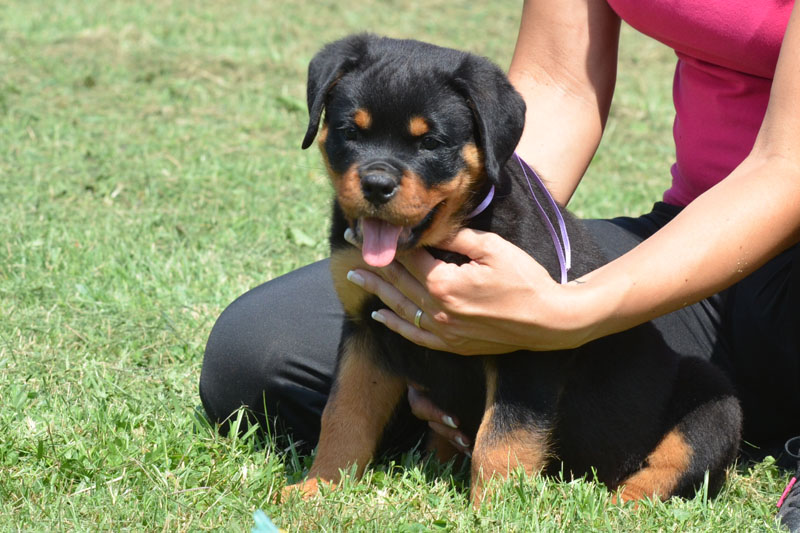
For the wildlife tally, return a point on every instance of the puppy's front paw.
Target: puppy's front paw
(307, 489)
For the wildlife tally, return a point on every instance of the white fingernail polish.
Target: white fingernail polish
(461, 442)
(449, 422)
(356, 278)
(377, 317)
(350, 236)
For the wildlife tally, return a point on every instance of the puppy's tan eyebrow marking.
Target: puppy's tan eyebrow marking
(418, 126)
(362, 118)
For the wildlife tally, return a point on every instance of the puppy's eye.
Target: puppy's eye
(350, 133)
(430, 143)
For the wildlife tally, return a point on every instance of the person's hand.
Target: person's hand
(439, 421)
(500, 301)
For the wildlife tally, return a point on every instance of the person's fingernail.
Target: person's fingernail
(377, 317)
(350, 236)
(448, 421)
(461, 442)
(356, 278)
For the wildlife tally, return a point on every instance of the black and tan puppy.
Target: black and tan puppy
(413, 137)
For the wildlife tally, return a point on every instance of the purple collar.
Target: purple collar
(483, 205)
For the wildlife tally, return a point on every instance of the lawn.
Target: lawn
(150, 172)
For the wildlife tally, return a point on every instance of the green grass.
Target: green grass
(150, 172)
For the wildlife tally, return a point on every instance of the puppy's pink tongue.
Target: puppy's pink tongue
(380, 241)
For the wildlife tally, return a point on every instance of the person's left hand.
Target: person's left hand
(500, 301)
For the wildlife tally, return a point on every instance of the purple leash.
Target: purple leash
(562, 244)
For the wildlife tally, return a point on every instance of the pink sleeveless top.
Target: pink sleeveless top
(727, 51)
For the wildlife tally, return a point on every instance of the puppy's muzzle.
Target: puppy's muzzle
(380, 181)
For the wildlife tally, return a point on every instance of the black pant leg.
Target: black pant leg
(274, 351)
(763, 325)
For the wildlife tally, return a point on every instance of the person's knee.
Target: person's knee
(239, 367)
(274, 353)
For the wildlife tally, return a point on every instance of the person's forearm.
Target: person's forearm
(717, 240)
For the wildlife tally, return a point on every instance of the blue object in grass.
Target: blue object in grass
(263, 524)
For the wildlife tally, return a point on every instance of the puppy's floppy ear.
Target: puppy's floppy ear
(325, 69)
(498, 108)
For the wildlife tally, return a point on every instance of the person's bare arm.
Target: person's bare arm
(564, 65)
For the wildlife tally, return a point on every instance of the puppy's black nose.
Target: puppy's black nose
(379, 182)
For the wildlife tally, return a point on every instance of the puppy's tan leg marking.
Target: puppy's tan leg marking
(359, 408)
(663, 469)
(497, 454)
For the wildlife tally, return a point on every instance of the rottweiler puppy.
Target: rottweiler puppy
(414, 138)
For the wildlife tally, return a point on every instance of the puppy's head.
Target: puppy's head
(412, 134)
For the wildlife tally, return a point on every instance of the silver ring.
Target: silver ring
(418, 317)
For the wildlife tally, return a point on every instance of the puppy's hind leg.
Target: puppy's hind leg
(705, 438)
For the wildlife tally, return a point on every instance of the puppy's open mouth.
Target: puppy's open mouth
(381, 239)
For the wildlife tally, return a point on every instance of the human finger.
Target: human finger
(419, 263)
(423, 408)
(440, 422)
(350, 237)
(454, 436)
(394, 286)
(405, 327)
(468, 242)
